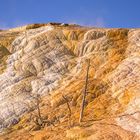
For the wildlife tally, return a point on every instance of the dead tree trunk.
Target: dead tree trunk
(85, 92)
(38, 106)
(68, 105)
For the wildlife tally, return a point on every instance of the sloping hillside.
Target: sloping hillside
(43, 72)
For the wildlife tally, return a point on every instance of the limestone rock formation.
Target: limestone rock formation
(50, 60)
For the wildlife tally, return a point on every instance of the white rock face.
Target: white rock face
(35, 67)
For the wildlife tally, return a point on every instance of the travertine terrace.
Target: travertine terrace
(50, 60)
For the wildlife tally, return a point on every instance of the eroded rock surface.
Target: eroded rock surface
(51, 59)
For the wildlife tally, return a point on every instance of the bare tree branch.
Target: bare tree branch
(68, 105)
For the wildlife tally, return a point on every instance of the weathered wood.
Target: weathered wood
(85, 92)
(68, 105)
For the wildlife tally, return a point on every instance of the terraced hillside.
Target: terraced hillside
(43, 69)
